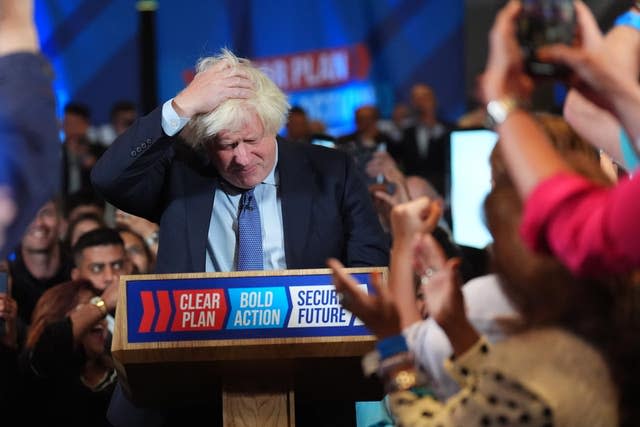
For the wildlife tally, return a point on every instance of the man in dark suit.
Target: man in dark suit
(424, 149)
(365, 141)
(311, 204)
(79, 152)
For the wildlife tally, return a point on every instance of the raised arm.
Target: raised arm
(132, 173)
(531, 158)
(594, 124)
(591, 229)
(29, 145)
(17, 29)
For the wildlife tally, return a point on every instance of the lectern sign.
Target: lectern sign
(238, 306)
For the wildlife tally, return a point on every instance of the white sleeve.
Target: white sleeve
(172, 123)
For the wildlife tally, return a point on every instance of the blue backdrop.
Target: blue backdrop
(94, 50)
(93, 47)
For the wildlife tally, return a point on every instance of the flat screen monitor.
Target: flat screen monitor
(470, 184)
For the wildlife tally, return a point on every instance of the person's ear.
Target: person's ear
(75, 273)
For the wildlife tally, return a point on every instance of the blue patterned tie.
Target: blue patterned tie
(249, 233)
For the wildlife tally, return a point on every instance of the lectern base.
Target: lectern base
(255, 403)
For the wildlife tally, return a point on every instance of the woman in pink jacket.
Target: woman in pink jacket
(592, 229)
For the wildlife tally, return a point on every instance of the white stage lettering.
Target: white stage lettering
(317, 306)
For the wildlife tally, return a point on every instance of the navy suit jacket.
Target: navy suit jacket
(326, 209)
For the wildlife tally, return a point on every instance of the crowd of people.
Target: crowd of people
(540, 328)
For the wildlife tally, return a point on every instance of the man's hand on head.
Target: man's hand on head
(212, 87)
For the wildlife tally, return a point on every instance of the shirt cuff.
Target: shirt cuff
(172, 123)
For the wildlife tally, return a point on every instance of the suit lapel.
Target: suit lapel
(200, 190)
(296, 192)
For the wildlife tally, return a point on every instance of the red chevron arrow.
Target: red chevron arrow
(148, 311)
(165, 311)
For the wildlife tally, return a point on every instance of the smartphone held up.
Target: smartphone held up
(541, 23)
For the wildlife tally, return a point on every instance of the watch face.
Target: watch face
(497, 111)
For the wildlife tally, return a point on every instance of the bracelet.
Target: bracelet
(396, 362)
(401, 381)
(392, 345)
(631, 18)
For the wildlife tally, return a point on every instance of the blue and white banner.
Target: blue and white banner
(217, 308)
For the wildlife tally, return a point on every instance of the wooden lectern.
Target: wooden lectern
(260, 339)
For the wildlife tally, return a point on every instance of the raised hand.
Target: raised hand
(110, 296)
(505, 74)
(441, 286)
(212, 87)
(594, 75)
(382, 200)
(377, 311)
(411, 219)
(440, 282)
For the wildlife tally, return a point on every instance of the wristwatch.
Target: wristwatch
(498, 110)
(99, 302)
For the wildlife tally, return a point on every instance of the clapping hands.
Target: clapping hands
(418, 254)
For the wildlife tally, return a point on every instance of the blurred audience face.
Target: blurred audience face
(74, 126)
(423, 100)
(102, 265)
(42, 234)
(95, 341)
(81, 227)
(87, 209)
(297, 126)
(122, 120)
(367, 120)
(135, 248)
(317, 126)
(400, 115)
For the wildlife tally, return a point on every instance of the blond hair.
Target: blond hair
(268, 102)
